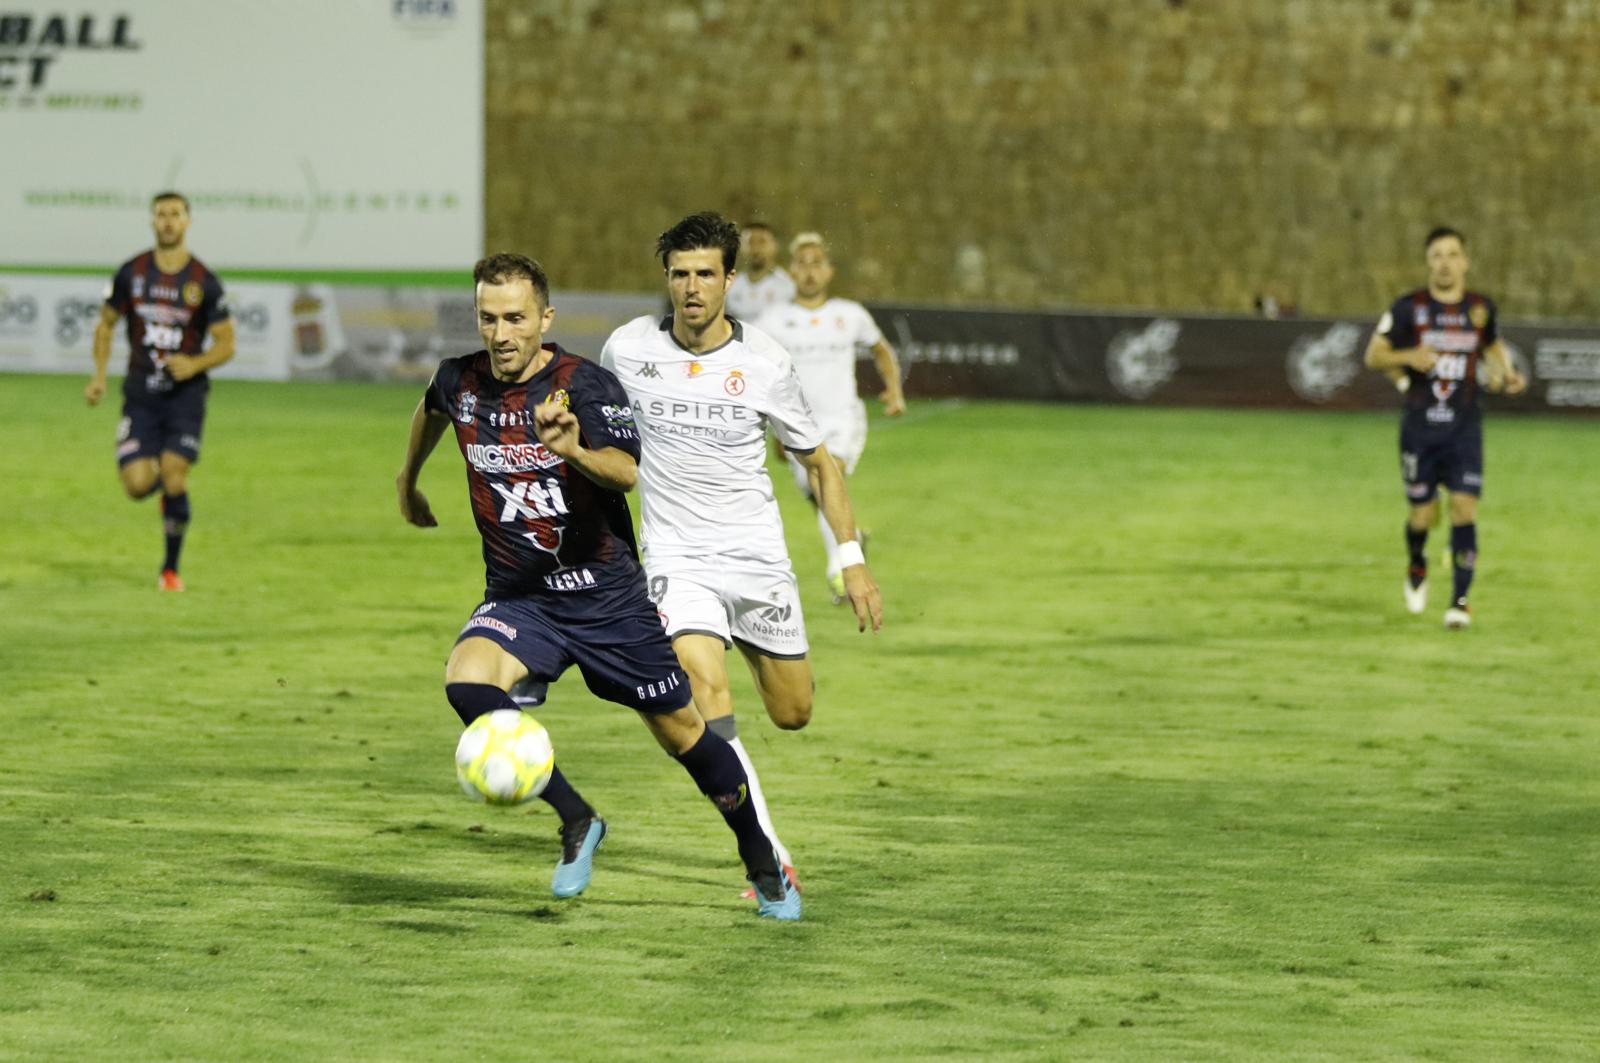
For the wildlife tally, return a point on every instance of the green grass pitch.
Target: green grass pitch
(1148, 762)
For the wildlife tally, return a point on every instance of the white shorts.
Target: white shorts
(745, 601)
(845, 435)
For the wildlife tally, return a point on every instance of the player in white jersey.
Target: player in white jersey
(704, 390)
(762, 284)
(822, 335)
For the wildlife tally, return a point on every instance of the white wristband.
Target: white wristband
(850, 554)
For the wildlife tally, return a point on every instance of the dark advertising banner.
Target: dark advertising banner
(1177, 360)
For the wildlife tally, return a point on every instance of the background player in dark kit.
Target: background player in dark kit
(550, 445)
(1438, 335)
(173, 303)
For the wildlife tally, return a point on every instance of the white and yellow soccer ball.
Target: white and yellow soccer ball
(504, 757)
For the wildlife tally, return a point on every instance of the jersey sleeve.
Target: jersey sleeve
(603, 410)
(867, 332)
(119, 294)
(790, 414)
(214, 307)
(1491, 331)
(437, 398)
(1398, 326)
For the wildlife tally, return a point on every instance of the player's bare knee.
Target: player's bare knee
(139, 481)
(791, 712)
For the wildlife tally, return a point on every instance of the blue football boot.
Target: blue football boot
(579, 840)
(776, 896)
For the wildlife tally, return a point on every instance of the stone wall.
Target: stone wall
(1154, 153)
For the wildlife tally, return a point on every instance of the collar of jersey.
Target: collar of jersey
(736, 336)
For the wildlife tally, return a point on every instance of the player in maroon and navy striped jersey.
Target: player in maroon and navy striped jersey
(1437, 336)
(550, 447)
(174, 305)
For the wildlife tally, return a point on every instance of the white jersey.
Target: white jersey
(702, 420)
(823, 343)
(748, 299)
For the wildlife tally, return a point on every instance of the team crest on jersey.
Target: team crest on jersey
(138, 285)
(695, 369)
(1478, 315)
(560, 398)
(1420, 316)
(193, 293)
(734, 385)
(464, 407)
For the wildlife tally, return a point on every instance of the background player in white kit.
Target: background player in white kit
(762, 284)
(822, 335)
(703, 390)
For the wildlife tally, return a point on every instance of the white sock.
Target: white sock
(760, 801)
(831, 543)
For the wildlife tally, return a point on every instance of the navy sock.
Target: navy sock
(715, 768)
(1463, 556)
(559, 795)
(174, 521)
(1416, 544)
(471, 700)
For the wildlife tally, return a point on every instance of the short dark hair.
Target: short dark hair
(179, 196)
(507, 266)
(707, 229)
(1440, 233)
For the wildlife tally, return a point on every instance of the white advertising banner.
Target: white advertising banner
(307, 135)
(47, 326)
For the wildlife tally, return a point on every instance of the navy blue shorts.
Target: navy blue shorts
(1454, 460)
(151, 425)
(612, 634)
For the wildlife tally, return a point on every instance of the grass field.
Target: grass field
(1148, 762)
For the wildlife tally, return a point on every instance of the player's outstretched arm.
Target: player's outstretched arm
(426, 429)
(95, 390)
(834, 501)
(611, 467)
(893, 397)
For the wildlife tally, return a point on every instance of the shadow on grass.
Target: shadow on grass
(354, 887)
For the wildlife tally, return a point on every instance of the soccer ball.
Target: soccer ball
(504, 757)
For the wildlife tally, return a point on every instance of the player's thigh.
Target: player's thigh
(480, 660)
(1464, 476)
(504, 641)
(786, 686)
(1420, 470)
(704, 658)
(765, 604)
(623, 654)
(139, 448)
(689, 601)
(183, 422)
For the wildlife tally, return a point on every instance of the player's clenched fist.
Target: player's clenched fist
(414, 505)
(557, 428)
